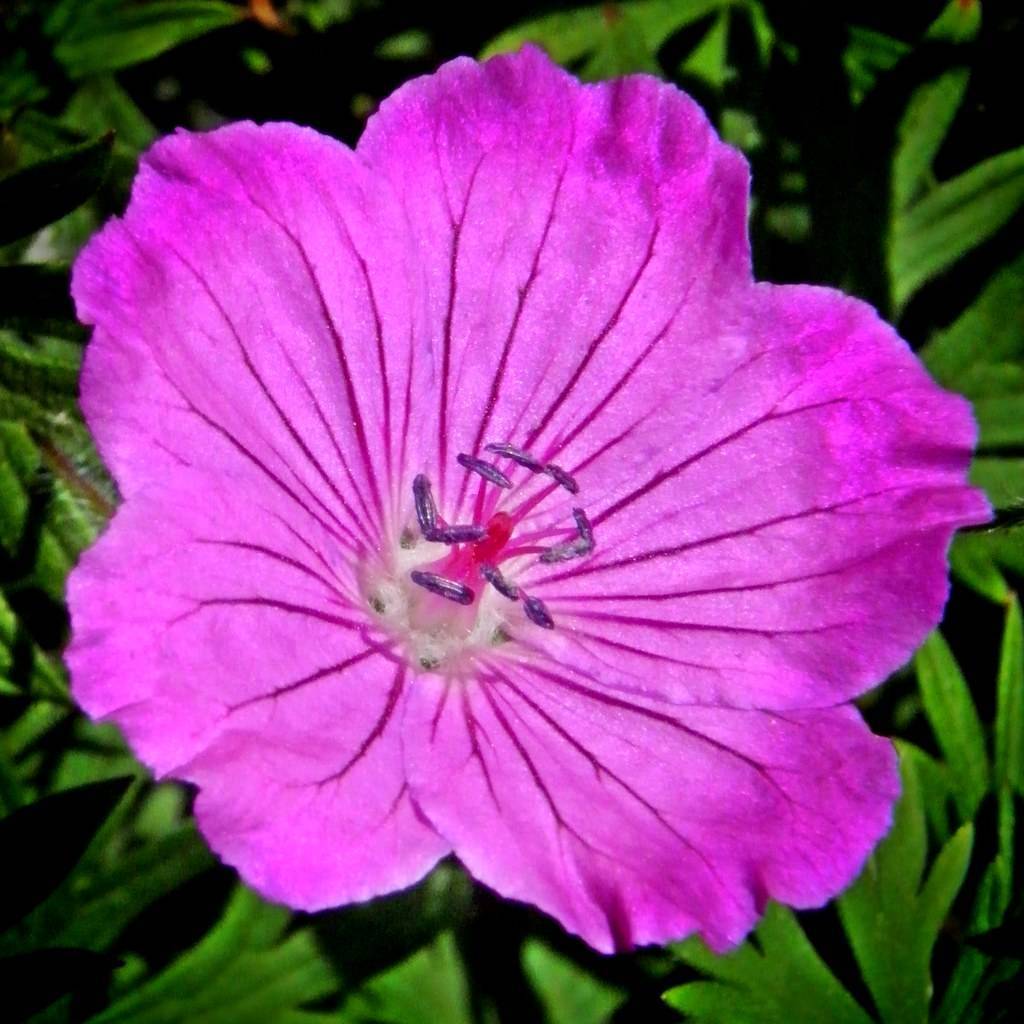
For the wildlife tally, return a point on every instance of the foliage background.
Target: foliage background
(886, 144)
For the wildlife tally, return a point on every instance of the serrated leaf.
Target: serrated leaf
(780, 980)
(954, 720)
(42, 842)
(429, 986)
(921, 132)
(244, 971)
(37, 299)
(105, 35)
(892, 920)
(952, 219)
(1009, 725)
(568, 992)
(45, 191)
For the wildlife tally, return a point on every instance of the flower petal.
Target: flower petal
(642, 822)
(311, 805)
(255, 313)
(789, 548)
(563, 230)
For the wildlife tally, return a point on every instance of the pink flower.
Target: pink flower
(477, 499)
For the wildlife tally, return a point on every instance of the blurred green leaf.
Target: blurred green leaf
(47, 379)
(1009, 729)
(104, 35)
(568, 992)
(247, 970)
(779, 980)
(101, 105)
(954, 720)
(952, 219)
(428, 987)
(614, 39)
(921, 132)
(24, 668)
(413, 44)
(36, 299)
(106, 901)
(868, 54)
(32, 981)
(893, 920)
(41, 842)
(19, 462)
(45, 191)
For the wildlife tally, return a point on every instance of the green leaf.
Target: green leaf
(922, 129)
(892, 920)
(954, 720)
(106, 901)
(19, 462)
(37, 299)
(1009, 726)
(614, 39)
(105, 35)
(45, 191)
(101, 105)
(24, 668)
(32, 981)
(568, 992)
(428, 987)
(982, 553)
(952, 219)
(48, 379)
(246, 970)
(780, 979)
(42, 842)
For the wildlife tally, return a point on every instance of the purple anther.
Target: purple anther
(562, 478)
(459, 534)
(537, 612)
(443, 587)
(485, 469)
(583, 526)
(500, 584)
(517, 455)
(426, 510)
(564, 552)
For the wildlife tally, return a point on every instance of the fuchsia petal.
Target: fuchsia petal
(233, 385)
(638, 821)
(563, 231)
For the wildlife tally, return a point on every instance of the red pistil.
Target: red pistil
(499, 529)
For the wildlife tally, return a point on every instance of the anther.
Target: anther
(517, 455)
(500, 584)
(537, 612)
(485, 469)
(583, 525)
(562, 478)
(443, 587)
(458, 534)
(426, 510)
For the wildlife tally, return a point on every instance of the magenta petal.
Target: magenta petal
(563, 229)
(643, 822)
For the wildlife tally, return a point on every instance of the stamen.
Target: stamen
(443, 587)
(485, 469)
(500, 584)
(517, 455)
(560, 476)
(426, 510)
(584, 527)
(581, 545)
(459, 534)
(537, 612)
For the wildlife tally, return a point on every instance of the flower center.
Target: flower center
(446, 596)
